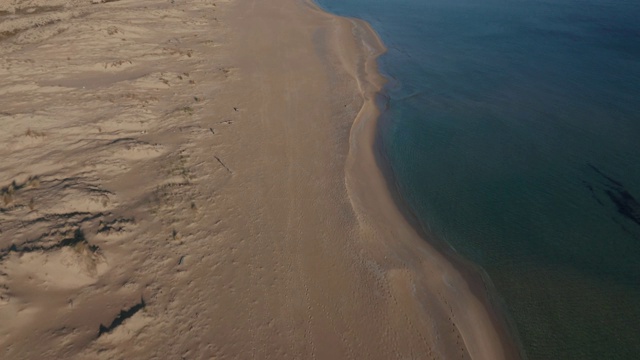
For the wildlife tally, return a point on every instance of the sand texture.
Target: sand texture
(196, 180)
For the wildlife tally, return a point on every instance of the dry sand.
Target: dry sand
(196, 180)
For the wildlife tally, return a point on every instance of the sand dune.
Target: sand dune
(196, 180)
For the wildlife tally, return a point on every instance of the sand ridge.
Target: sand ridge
(185, 179)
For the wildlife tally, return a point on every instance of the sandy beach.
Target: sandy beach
(198, 180)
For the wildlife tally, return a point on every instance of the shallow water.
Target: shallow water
(513, 130)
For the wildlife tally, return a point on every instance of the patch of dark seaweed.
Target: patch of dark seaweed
(625, 203)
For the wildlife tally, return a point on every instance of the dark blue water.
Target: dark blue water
(513, 131)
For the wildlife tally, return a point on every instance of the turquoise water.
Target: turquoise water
(513, 130)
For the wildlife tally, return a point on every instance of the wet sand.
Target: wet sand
(198, 180)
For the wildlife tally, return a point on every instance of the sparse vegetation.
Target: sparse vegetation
(33, 133)
(122, 316)
(9, 192)
(119, 63)
(112, 30)
(7, 198)
(33, 182)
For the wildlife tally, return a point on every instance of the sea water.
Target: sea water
(513, 131)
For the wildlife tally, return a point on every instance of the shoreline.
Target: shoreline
(366, 131)
(198, 180)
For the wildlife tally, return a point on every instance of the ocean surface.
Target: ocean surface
(513, 131)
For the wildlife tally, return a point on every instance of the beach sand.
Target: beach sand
(197, 180)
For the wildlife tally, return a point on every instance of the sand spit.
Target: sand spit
(173, 187)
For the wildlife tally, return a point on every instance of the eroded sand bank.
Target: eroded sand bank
(185, 179)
